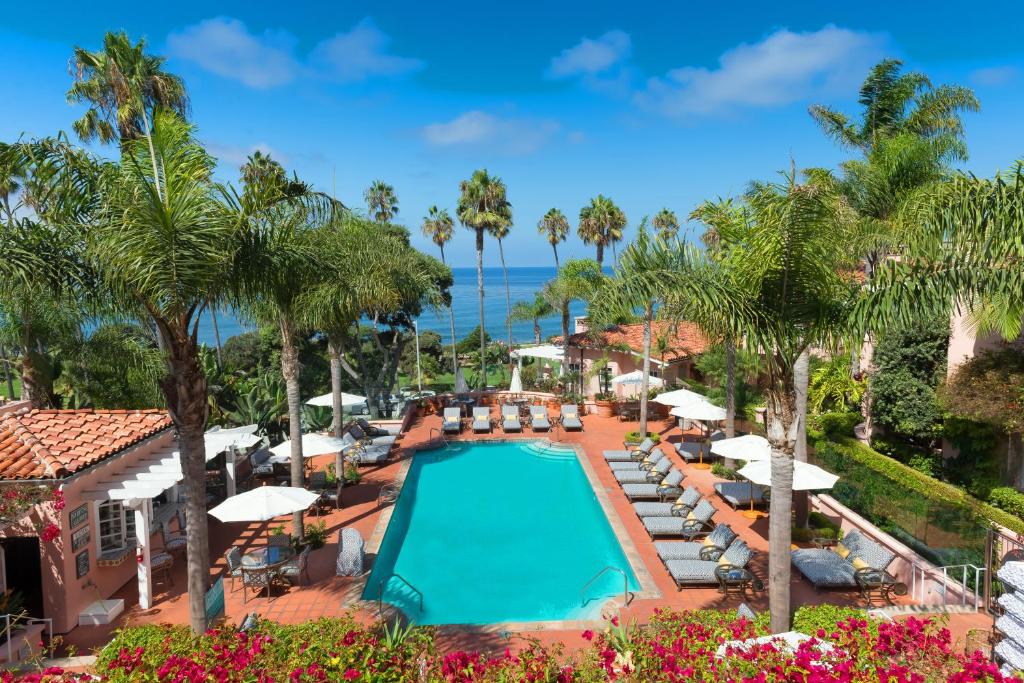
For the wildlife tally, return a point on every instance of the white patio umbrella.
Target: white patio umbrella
(806, 477)
(748, 447)
(516, 385)
(460, 383)
(264, 503)
(637, 378)
(312, 445)
(679, 397)
(703, 410)
(218, 440)
(327, 400)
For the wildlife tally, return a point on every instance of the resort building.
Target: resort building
(620, 350)
(118, 471)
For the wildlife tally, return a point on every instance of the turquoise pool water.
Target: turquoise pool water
(497, 532)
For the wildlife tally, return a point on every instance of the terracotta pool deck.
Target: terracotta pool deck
(328, 595)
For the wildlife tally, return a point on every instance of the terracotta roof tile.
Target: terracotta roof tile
(51, 444)
(688, 339)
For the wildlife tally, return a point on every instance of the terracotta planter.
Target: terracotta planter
(604, 408)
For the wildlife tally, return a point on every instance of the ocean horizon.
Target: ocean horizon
(523, 284)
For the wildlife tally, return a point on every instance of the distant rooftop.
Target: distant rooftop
(52, 444)
(686, 339)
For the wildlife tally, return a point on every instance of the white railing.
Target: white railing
(923, 576)
(19, 620)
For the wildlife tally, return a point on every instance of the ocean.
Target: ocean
(523, 284)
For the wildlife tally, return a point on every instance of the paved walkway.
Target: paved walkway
(327, 595)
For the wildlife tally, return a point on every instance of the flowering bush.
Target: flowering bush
(17, 500)
(673, 646)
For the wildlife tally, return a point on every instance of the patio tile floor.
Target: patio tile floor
(326, 594)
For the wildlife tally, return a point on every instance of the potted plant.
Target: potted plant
(315, 536)
(634, 438)
(605, 404)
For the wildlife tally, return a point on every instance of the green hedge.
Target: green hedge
(915, 481)
(1007, 498)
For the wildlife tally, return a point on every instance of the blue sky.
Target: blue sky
(653, 104)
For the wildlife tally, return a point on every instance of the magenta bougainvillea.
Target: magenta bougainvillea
(18, 499)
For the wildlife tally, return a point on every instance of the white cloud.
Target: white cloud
(784, 67)
(591, 56)
(237, 155)
(994, 75)
(477, 129)
(362, 53)
(225, 46)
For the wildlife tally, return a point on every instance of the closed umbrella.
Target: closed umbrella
(806, 477)
(460, 383)
(312, 445)
(516, 385)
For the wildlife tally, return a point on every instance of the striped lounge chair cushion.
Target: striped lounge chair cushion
(692, 571)
(721, 537)
(622, 466)
(823, 568)
(634, 476)
(621, 456)
(639, 491)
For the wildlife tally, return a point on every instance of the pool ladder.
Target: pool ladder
(609, 568)
(396, 575)
(440, 435)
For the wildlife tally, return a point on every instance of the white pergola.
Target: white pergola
(135, 487)
(220, 440)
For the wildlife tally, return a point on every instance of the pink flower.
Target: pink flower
(588, 635)
(350, 674)
(50, 533)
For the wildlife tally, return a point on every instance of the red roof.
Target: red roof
(686, 338)
(51, 444)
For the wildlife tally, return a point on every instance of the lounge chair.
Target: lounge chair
(647, 463)
(654, 475)
(451, 422)
(697, 523)
(668, 488)
(697, 572)
(482, 419)
(677, 508)
(364, 436)
(376, 430)
(510, 419)
(716, 435)
(740, 494)
(646, 446)
(690, 451)
(711, 548)
(856, 557)
(571, 417)
(539, 419)
(367, 455)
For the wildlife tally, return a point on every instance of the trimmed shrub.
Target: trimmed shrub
(1007, 498)
(720, 470)
(837, 424)
(635, 437)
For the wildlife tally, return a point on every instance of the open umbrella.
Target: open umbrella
(218, 440)
(693, 406)
(312, 445)
(264, 503)
(749, 447)
(637, 378)
(516, 385)
(327, 400)
(806, 477)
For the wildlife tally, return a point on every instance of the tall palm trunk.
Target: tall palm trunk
(36, 378)
(451, 321)
(508, 298)
(554, 248)
(563, 368)
(781, 434)
(480, 292)
(600, 254)
(536, 331)
(646, 383)
(730, 388)
(334, 349)
(290, 371)
(801, 379)
(216, 336)
(152, 155)
(185, 391)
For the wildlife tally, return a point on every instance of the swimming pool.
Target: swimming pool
(498, 532)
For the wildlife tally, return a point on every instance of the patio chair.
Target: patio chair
(856, 562)
(698, 572)
(361, 434)
(570, 414)
(640, 452)
(648, 463)
(482, 419)
(539, 419)
(690, 451)
(234, 559)
(161, 563)
(668, 488)
(377, 430)
(510, 419)
(697, 523)
(654, 475)
(173, 542)
(711, 548)
(296, 568)
(451, 421)
(740, 494)
(677, 508)
(257, 579)
(280, 540)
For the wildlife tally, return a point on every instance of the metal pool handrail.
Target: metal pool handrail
(380, 591)
(440, 434)
(608, 568)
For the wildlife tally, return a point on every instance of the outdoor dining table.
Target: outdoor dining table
(464, 404)
(263, 565)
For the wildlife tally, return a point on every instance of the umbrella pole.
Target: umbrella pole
(701, 465)
(751, 513)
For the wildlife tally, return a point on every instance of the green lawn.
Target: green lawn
(496, 376)
(17, 387)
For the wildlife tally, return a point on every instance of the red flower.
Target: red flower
(351, 674)
(51, 532)
(588, 635)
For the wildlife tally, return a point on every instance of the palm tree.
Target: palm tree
(786, 262)
(666, 223)
(482, 205)
(170, 257)
(601, 224)
(499, 232)
(123, 87)
(381, 201)
(534, 311)
(576, 280)
(555, 228)
(438, 226)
